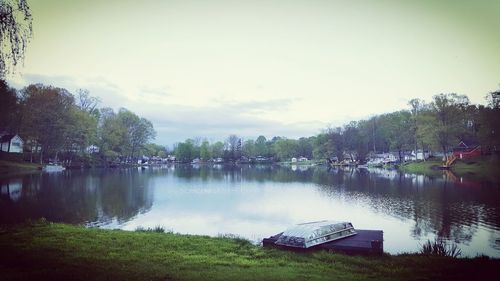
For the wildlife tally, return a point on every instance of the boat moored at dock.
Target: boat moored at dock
(328, 235)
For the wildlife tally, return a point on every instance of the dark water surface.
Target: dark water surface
(259, 201)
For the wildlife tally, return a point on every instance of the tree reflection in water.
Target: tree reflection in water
(445, 205)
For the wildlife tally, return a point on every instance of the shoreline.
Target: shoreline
(44, 250)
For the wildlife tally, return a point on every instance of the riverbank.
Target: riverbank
(8, 168)
(46, 251)
(486, 167)
(302, 163)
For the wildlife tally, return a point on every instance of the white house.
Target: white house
(11, 143)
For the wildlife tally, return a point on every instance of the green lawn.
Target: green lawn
(481, 168)
(11, 168)
(45, 251)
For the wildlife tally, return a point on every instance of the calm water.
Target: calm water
(256, 202)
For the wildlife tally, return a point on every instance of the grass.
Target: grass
(8, 168)
(482, 168)
(428, 167)
(46, 251)
(440, 248)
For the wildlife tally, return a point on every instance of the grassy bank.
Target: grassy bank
(486, 167)
(8, 168)
(44, 251)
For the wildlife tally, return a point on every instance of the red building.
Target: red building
(466, 151)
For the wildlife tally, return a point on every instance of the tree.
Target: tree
(15, 33)
(81, 131)
(447, 109)
(336, 143)
(184, 151)
(205, 150)
(45, 114)
(489, 127)
(305, 147)
(285, 148)
(112, 134)
(493, 99)
(152, 149)
(217, 149)
(321, 146)
(232, 144)
(400, 137)
(260, 146)
(249, 148)
(86, 102)
(139, 130)
(9, 108)
(416, 106)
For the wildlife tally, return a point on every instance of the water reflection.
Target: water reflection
(258, 201)
(96, 197)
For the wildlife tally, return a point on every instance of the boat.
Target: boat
(53, 168)
(328, 235)
(306, 235)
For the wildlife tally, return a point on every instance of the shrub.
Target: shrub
(441, 248)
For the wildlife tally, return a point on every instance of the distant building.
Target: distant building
(92, 149)
(11, 143)
(463, 150)
(419, 155)
(294, 159)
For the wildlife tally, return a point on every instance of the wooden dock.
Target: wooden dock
(365, 242)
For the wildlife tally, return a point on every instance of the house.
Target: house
(11, 143)
(463, 150)
(302, 159)
(419, 155)
(92, 149)
(383, 158)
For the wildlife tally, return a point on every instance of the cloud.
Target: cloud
(149, 92)
(176, 123)
(215, 120)
(109, 93)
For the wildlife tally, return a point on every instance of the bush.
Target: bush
(158, 229)
(440, 248)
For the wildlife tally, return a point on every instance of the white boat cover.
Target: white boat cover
(310, 234)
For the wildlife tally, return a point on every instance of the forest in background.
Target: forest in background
(56, 124)
(435, 126)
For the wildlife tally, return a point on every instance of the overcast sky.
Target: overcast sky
(286, 68)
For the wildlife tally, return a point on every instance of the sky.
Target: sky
(209, 69)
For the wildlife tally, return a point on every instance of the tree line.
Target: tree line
(436, 126)
(58, 125)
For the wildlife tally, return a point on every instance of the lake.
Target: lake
(259, 201)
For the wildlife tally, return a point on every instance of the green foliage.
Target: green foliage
(152, 149)
(46, 116)
(9, 108)
(285, 148)
(46, 251)
(249, 149)
(205, 150)
(440, 248)
(217, 149)
(15, 33)
(185, 151)
(447, 109)
(261, 147)
(55, 125)
(124, 133)
(157, 229)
